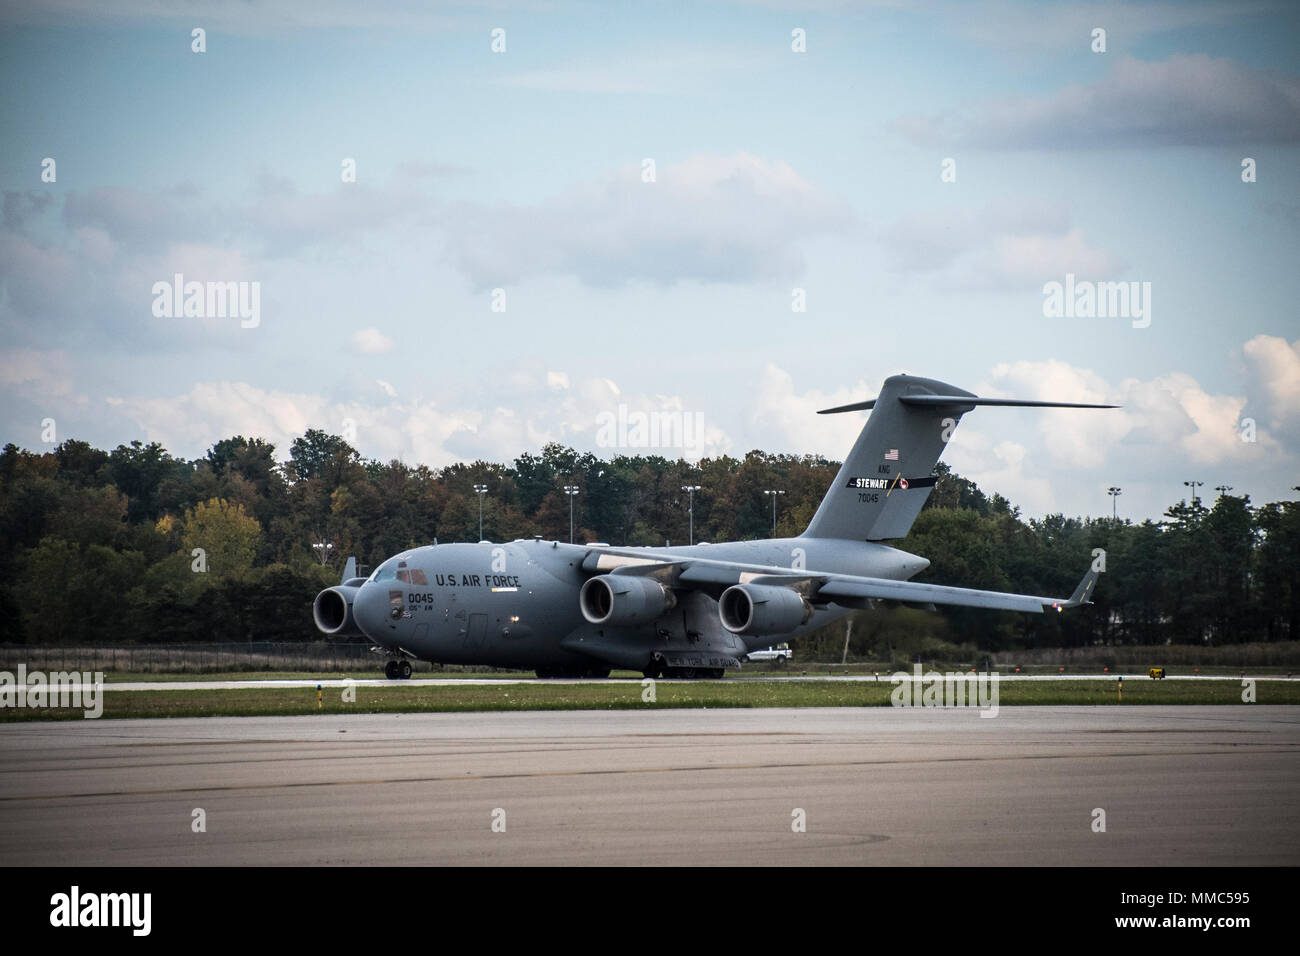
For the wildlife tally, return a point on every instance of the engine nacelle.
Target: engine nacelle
(621, 600)
(762, 610)
(333, 611)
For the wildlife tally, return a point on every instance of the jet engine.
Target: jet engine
(333, 611)
(621, 600)
(762, 610)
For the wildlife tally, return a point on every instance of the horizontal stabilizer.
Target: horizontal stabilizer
(855, 407)
(888, 474)
(932, 400)
(941, 400)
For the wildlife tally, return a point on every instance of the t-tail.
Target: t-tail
(888, 475)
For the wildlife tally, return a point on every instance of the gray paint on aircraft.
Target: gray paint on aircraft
(518, 604)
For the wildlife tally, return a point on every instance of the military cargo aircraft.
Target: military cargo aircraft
(579, 610)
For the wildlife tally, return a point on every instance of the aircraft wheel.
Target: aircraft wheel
(598, 672)
(716, 673)
(405, 670)
(687, 673)
(390, 670)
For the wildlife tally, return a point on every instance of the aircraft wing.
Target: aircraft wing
(847, 590)
(883, 589)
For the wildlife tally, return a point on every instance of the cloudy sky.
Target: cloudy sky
(615, 212)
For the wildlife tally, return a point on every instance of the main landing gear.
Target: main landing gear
(657, 669)
(572, 672)
(397, 670)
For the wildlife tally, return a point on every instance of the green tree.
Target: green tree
(227, 535)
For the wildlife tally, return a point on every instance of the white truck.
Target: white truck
(780, 653)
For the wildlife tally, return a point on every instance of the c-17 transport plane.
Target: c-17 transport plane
(579, 610)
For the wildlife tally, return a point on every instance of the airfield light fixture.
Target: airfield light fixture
(773, 492)
(690, 490)
(1194, 485)
(571, 491)
(1114, 498)
(1222, 489)
(481, 489)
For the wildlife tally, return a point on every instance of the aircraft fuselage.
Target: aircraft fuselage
(517, 604)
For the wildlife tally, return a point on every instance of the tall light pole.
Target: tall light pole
(1222, 489)
(690, 490)
(481, 489)
(1194, 485)
(571, 491)
(1114, 498)
(773, 492)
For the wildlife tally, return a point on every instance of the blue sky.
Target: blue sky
(774, 170)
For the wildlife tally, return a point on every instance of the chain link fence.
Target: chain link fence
(204, 658)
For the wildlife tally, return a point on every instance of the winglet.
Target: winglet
(1081, 593)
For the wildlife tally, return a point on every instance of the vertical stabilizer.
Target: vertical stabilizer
(886, 478)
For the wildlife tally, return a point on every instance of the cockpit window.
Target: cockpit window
(395, 569)
(388, 570)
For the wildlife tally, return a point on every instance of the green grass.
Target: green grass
(542, 695)
(370, 673)
(750, 670)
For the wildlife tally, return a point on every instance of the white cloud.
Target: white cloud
(1005, 245)
(1169, 428)
(1170, 417)
(1032, 28)
(420, 431)
(1187, 99)
(268, 17)
(788, 420)
(665, 71)
(708, 218)
(721, 219)
(1275, 367)
(40, 375)
(371, 341)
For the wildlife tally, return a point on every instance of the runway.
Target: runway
(1179, 785)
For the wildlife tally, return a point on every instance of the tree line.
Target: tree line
(134, 545)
